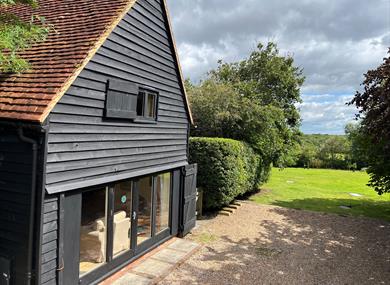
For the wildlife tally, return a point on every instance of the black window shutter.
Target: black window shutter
(188, 199)
(121, 101)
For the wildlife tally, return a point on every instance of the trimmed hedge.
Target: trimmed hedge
(226, 170)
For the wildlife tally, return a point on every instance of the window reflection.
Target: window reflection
(122, 217)
(151, 107)
(93, 233)
(144, 227)
(163, 189)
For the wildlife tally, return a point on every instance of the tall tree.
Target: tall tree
(374, 111)
(334, 152)
(17, 35)
(267, 78)
(358, 145)
(254, 101)
(220, 111)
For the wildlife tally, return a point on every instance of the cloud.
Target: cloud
(335, 41)
(326, 113)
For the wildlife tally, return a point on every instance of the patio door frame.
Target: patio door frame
(72, 226)
(155, 237)
(111, 262)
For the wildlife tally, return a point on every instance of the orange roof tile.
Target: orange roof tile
(81, 26)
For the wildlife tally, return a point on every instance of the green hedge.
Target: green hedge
(226, 169)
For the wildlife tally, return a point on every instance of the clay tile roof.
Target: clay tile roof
(81, 26)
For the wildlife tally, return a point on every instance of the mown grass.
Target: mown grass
(324, 191)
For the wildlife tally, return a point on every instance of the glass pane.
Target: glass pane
(122, 217)
(144, 228)
(140, 104)
(151, 107)
(163, 191)
(93, 234)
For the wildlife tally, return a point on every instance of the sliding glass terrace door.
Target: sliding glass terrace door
(121, 220)
(152, 201)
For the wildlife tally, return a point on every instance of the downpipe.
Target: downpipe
(34, 144)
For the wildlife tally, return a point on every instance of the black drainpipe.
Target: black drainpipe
(34, 144)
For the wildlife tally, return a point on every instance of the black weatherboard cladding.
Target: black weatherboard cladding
(84, 147)
(15, 201)
(49, 260)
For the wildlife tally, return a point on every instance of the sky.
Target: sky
(334, 41)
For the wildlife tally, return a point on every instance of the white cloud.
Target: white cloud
(328, 116)
(335, 41)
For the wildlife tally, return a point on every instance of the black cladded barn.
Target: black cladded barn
(93, 144)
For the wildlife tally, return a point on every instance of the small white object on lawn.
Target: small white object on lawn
(290, 182)
(355, 195)
(345, 207)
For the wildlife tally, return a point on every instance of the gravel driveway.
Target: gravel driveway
(271, 245)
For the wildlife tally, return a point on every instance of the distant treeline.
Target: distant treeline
(326, 151)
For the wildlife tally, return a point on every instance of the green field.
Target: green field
(325, 191)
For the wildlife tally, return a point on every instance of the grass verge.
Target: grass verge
(323, 190)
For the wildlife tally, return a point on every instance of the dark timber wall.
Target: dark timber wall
(15, 201)
(49, 248)
(85, 149)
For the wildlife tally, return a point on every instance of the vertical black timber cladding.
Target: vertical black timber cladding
(72, 221)
(5, 271)
(188, 199)
(84, 146)
(15, 202)
(50, 241)
(175, 204)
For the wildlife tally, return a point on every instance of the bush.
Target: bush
(226, 169)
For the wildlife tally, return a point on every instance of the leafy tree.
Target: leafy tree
(32, 3)
(252, 100)
(325, 151)
(17, 35)
(374, 111)
(358, 145)
(307, 155)
(334, 152)
(267, 78)
(220, 111)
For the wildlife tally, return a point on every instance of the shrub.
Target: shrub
(226, 169)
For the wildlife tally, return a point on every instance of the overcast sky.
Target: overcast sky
(335, 41)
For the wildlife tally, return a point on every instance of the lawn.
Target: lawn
(322, 190)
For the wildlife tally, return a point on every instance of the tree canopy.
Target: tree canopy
(253, 101)
(267, 78)
(326, 151)
(17, 35)
(374, 112)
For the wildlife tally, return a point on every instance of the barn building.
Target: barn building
(94, 168)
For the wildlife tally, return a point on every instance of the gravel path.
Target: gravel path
(271, 245)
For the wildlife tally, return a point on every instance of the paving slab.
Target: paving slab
(153, 267)
(132, 279)
(170, 255)
(183, 245)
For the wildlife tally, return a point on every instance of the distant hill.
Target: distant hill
(319, 139)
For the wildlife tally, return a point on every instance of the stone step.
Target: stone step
(224, 213)
(232, 206)
(227, 209)
(237, 203)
